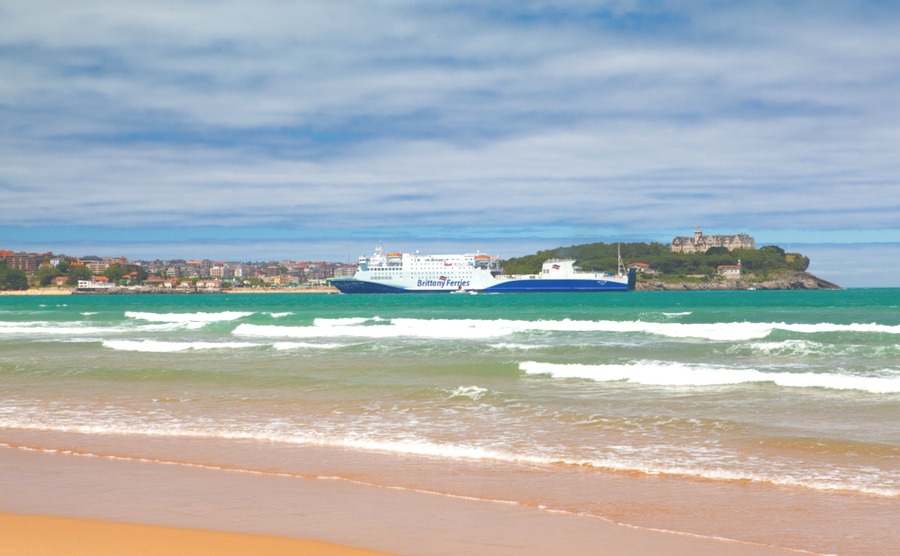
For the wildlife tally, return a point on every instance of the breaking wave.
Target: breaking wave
(482, 328)
(658, 373)
(223, 316)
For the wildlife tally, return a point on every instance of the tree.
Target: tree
(77, 273)
(12, 278)
(116, 271)
(46, 274)
(797, 261)
(602, 256)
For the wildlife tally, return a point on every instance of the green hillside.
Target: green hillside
(761, 263)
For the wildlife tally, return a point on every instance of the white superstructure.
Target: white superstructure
(475, 272)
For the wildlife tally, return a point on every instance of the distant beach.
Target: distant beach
(281, 290)
(37, 291)
(299, 289)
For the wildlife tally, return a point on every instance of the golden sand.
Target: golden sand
(299, 289)
(38, 291)
(56, 536)
(270, 514)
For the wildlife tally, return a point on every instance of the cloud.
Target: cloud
(633, 115)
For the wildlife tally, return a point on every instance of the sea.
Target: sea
(769, 417)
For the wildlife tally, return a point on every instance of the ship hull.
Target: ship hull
(499, 285)
(561, 285)
(351, 285)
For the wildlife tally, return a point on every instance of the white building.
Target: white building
(730, 272)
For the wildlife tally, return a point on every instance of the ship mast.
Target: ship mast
(621, 264)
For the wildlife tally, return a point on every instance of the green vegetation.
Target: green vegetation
(76, 273)
(117, 272)
(676, 267)
(11, 278)
(46, 273)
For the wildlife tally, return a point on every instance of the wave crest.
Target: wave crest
(658, 373)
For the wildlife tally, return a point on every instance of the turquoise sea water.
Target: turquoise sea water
(797, 390)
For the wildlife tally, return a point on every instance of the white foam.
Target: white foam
(285, 346)
(457, 451)
(473, 392)
(445, 329)
(657, 373)
(522, 347)
(223, 316)
(485, 328)
(47, 328)
(789, 347)
(348, 321)
(800, 347)
(155, 346)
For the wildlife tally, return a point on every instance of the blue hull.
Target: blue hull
(351, 285)
(559, 286)
(359, 286)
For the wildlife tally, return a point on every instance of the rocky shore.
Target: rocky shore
(786, 281)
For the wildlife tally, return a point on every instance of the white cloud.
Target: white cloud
(626, 113)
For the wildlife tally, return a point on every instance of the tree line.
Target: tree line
(15, 279)
(604, 257)
(12, 278)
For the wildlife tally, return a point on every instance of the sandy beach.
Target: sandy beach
(35, 535)
(304, 289)
(176, 507)
(241, 291)
(37, 291)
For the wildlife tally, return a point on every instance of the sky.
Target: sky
(314, 130)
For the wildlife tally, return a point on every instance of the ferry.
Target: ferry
(472, 273)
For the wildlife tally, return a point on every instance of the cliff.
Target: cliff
(783, 281)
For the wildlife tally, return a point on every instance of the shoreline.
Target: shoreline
(120, 291)
(172, 500)
(36, 291)
(783, 282)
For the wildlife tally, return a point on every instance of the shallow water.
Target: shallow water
(619, 406)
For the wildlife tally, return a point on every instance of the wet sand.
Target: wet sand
(333, 511)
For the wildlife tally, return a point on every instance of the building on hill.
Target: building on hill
(27, 262)
(642, 268)
(701, 243)
(730, 271)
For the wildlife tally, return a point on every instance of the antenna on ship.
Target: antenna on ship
(621, 264)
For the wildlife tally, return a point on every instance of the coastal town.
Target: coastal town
(56, 273)
(61, 273)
